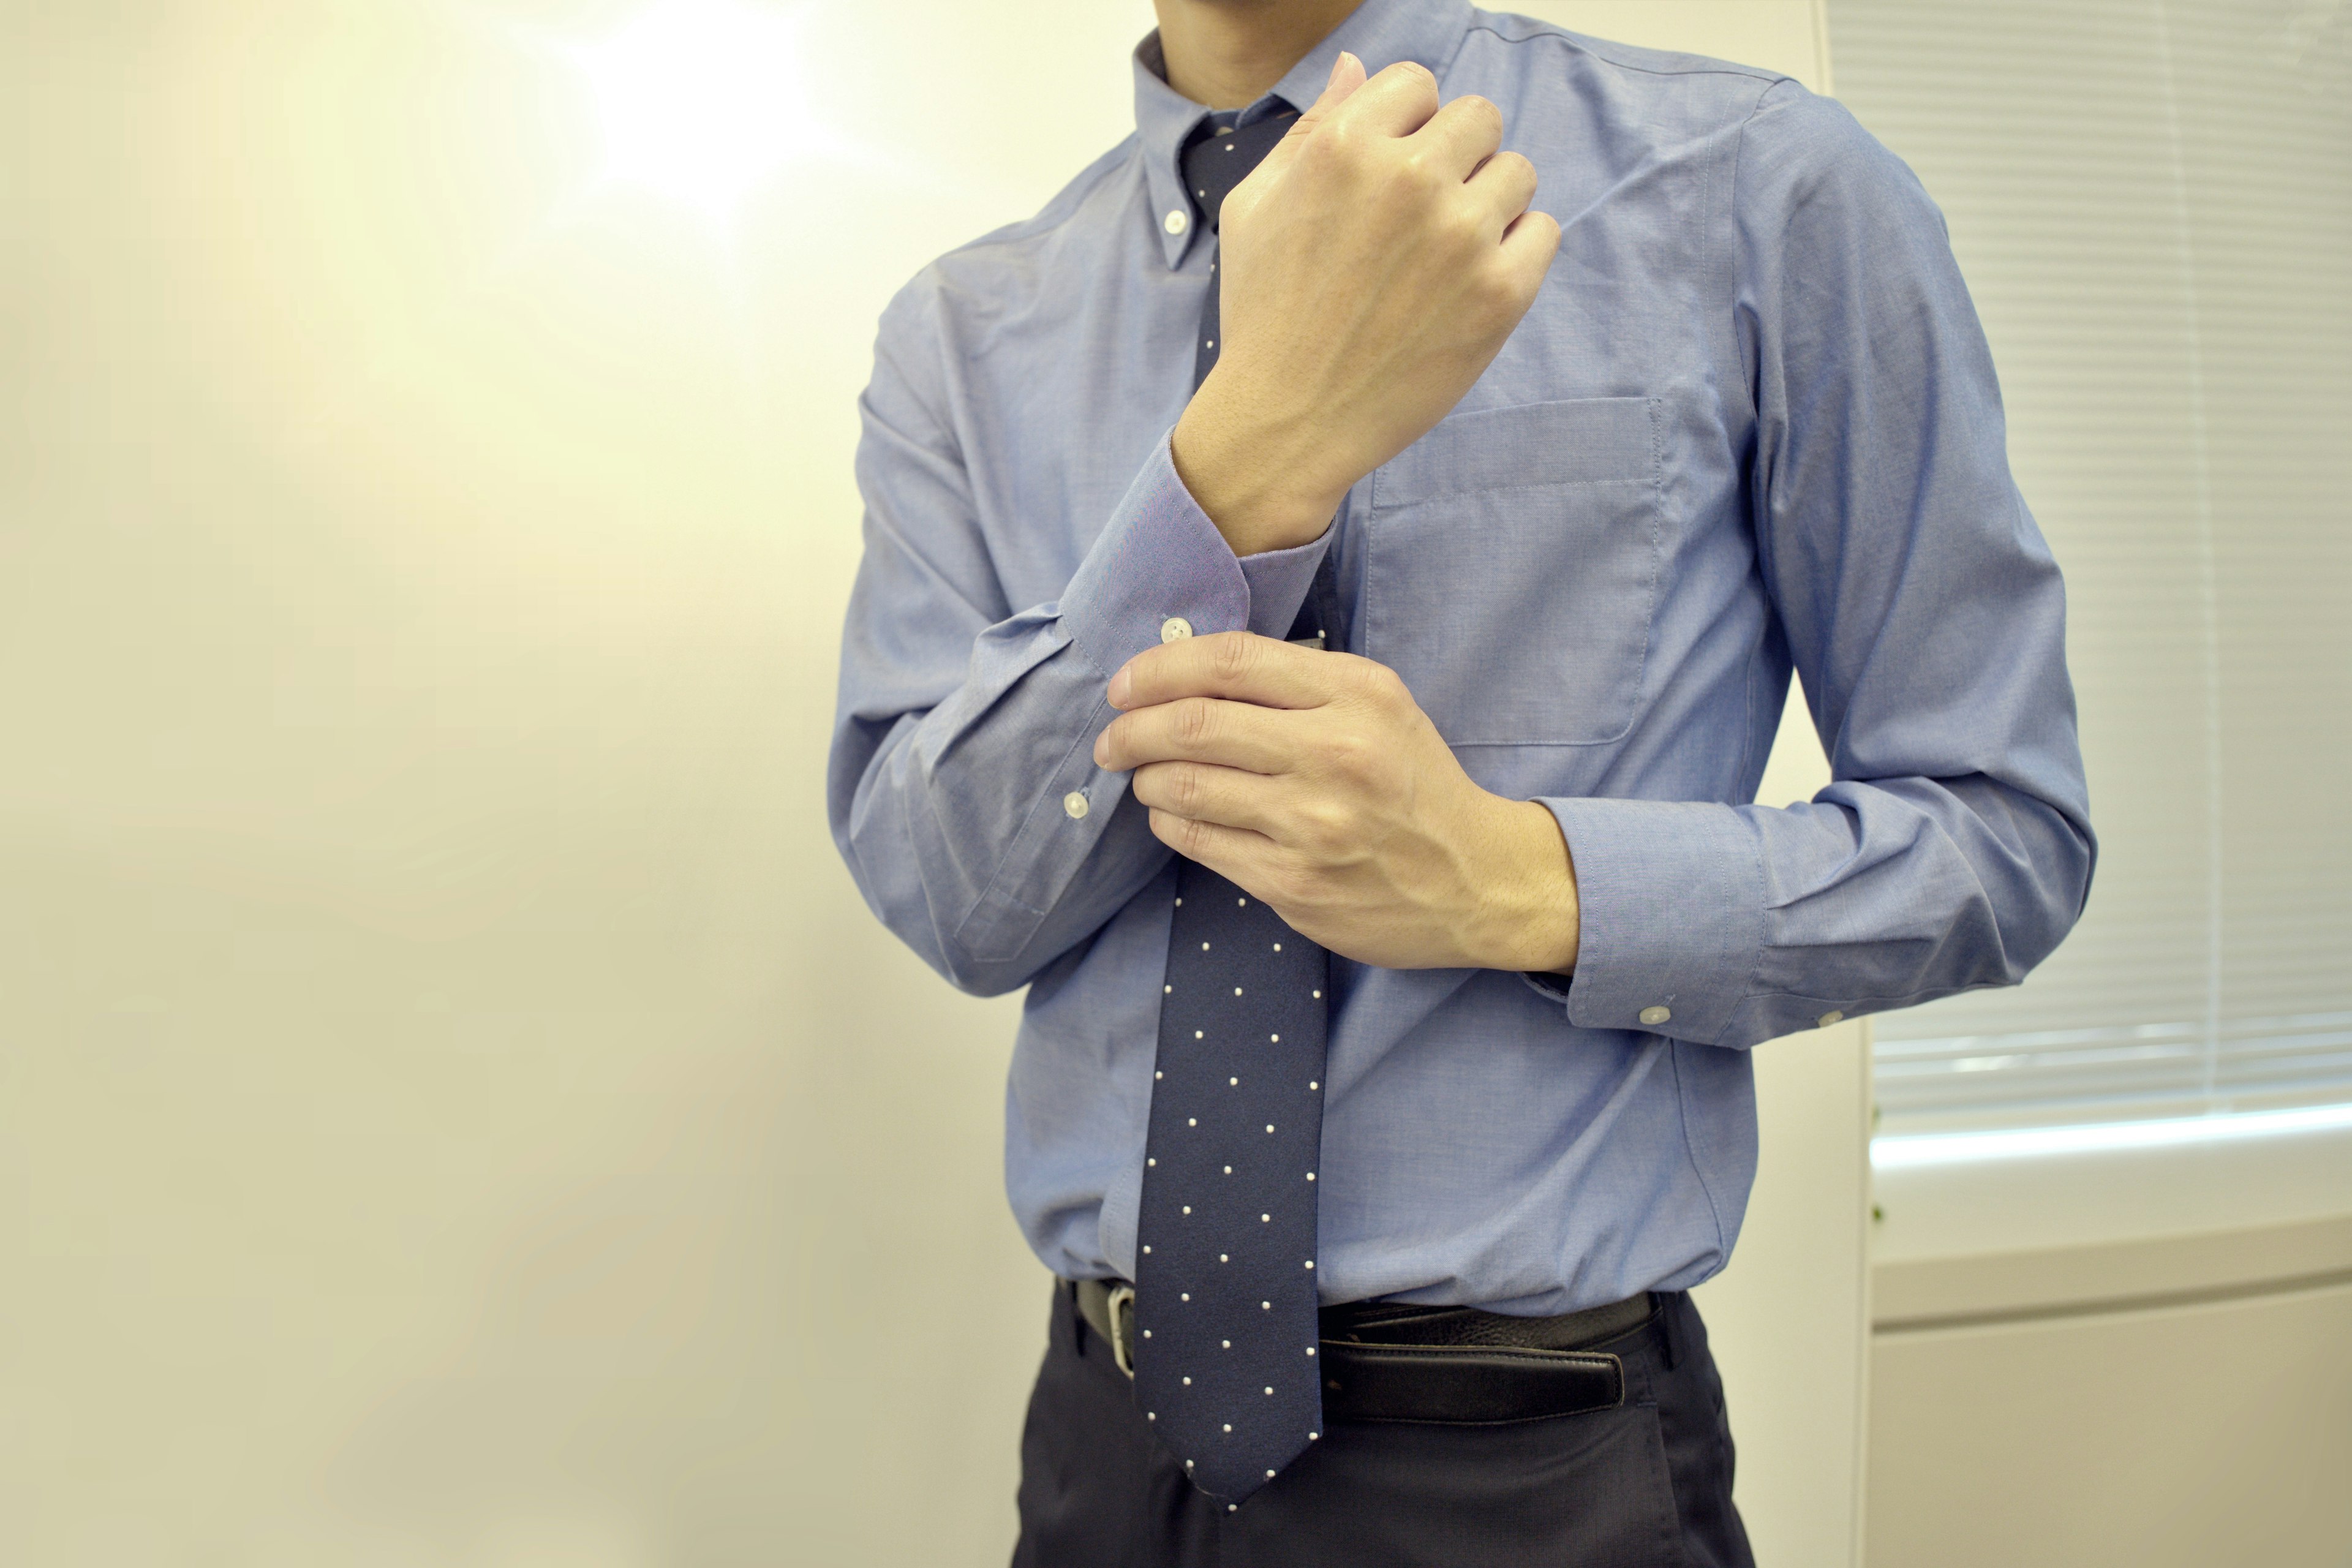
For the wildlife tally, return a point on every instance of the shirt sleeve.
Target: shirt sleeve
(1921, 606)
(962, 788)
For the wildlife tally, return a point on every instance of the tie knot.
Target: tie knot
(1218, 156)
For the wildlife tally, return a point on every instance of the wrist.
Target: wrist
(1255, 477)
(1529, 892)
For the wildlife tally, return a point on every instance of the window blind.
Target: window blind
(2152, 201)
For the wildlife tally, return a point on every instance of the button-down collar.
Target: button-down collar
(1379, 33)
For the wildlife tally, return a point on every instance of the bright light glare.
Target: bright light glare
(1960, 1148)
(699, 100)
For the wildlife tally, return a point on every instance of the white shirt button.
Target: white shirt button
(1656, 1015)
(1074, 804)
(1826, 1019)
(1175, 221)
(1175, 628)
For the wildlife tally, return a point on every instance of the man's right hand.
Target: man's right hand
(1371, 268)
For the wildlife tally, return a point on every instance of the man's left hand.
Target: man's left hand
(1315, 782)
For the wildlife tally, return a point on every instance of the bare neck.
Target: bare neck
(1228, 54)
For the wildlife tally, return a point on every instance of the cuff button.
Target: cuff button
(1656, 1015)
(1826, 1019)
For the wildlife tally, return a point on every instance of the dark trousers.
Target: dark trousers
(1648, 1483)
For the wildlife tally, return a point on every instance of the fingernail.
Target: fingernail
(1332, 80)
(1118, 685)
(1102, 748)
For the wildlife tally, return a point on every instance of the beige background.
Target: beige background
(455, 1109)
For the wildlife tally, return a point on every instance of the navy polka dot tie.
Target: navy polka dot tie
(1225, 1302)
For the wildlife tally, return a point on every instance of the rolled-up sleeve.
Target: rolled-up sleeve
(962, 788)
(1921, 607)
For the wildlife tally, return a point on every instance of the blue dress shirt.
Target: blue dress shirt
(1749, 423)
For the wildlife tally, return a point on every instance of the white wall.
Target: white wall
(453, 1109)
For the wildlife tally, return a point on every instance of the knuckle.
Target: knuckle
(1184, 788)
(1325, 828)
(1230, 656)
(1377, 681)
(1337, 143)
(1541, 227)
(1195, 719)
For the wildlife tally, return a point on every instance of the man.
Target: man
(1321, 623)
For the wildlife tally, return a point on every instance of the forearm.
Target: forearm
(1742, 923)
(1920, 607)
(964, 796)
(979, 831)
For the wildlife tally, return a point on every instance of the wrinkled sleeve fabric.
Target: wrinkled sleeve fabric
(1921, 607)
(962, 785)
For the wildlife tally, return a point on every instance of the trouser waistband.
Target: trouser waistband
(1456, 1365)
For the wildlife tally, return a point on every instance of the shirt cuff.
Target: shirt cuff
(1278, 581)
(1160, 558)
(1670, 903)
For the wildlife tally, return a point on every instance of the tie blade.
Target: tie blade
(1230, 1435)
(1225, 1303)
(1233, 1476)
(1225, 1299)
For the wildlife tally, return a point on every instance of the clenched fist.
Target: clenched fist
(1372, 267)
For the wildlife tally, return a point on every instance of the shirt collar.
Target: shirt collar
(1379, 33)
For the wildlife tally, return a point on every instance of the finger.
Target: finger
(1236, 854)
(1202, 729)
(1397, 103)
(1528, 246)
(1347, 76)
(1503, 189)
(1227, 797)
(1462, 135)
(1237, 665)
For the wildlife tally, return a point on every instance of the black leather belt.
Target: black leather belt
(1447, 1366)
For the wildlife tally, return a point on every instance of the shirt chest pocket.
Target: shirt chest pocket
(1511, 569)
